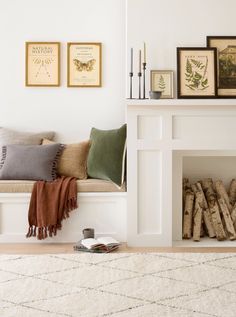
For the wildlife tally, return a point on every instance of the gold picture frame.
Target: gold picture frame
(84, 64)
(42, 64)
(163, 80)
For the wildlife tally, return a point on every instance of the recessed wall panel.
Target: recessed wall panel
(149, 127)
(149, 192)
(10, 222)
(203, 127)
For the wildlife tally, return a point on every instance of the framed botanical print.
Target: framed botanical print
(84, 64)
(226, 64)
(162, 80)
(42, 65)
(196, 72)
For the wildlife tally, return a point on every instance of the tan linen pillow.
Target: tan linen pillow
(73, 161)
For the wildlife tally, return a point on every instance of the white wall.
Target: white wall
(167, 24)
(69, 111)
(163, 24)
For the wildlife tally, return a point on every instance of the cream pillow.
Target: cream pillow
(9, 136)
(73, 161)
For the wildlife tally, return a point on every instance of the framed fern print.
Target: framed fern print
(84, 64)
(226, 64)
(162, 80)
(42, 64)
(196, 72)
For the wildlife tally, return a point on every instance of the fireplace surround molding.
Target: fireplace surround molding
(160, 134)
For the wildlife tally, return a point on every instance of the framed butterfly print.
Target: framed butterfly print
(42, 67)
(84, 64)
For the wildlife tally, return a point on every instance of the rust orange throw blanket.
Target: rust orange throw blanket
(50, 203)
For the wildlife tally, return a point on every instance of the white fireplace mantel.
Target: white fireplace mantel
(160, 134)
(183, 102)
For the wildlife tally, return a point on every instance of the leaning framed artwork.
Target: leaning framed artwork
(42, 64)
(162, 80)
(226, 64)
(84, 64)
(196, 72)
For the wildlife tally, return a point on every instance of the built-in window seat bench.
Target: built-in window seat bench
(102, 206)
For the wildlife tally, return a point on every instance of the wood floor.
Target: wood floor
(46, 248)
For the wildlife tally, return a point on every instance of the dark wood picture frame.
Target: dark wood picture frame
(222, 90)
(195, 80)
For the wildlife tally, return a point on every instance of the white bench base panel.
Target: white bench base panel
(105, 212)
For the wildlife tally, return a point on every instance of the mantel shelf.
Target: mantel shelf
(182, 102)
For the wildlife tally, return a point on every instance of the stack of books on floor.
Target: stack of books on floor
(99, 245)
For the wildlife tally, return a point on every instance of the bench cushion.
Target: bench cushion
(87, 185)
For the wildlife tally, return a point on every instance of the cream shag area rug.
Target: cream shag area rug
(118, 285)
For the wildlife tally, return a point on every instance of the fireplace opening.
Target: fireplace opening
(204, 197)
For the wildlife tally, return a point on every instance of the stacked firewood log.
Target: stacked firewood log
(209, 210)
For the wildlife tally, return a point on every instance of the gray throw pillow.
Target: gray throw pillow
(31, 162)
(9, 136)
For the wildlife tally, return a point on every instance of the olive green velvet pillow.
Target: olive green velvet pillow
(106, 159)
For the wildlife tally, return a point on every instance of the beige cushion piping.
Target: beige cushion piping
(88, 185)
